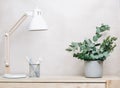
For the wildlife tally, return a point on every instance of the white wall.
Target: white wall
(68, 20)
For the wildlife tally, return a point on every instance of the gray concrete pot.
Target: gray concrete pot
(93, 69)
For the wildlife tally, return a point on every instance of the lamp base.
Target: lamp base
(14, 76)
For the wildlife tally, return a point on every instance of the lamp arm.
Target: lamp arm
(17, 24)
(7, 42)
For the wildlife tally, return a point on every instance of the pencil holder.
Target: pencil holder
(34, 70)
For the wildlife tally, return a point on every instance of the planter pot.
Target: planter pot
(93, 69)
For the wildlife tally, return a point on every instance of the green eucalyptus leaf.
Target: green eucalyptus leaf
(68, 49)
(98, 30)
(95, 38)
(74, 44)
(97, 44)
(98, 35)
(100, 55)
(92, 56)
(92, 45)
(106, 54)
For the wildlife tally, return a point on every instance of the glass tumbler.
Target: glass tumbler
(34, 70)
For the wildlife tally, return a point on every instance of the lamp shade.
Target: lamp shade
(37, 22)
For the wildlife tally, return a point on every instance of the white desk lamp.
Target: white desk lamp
(37, 24)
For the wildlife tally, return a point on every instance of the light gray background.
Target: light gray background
(68, 20)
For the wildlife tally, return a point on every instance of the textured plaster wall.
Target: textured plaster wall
(68, 20)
